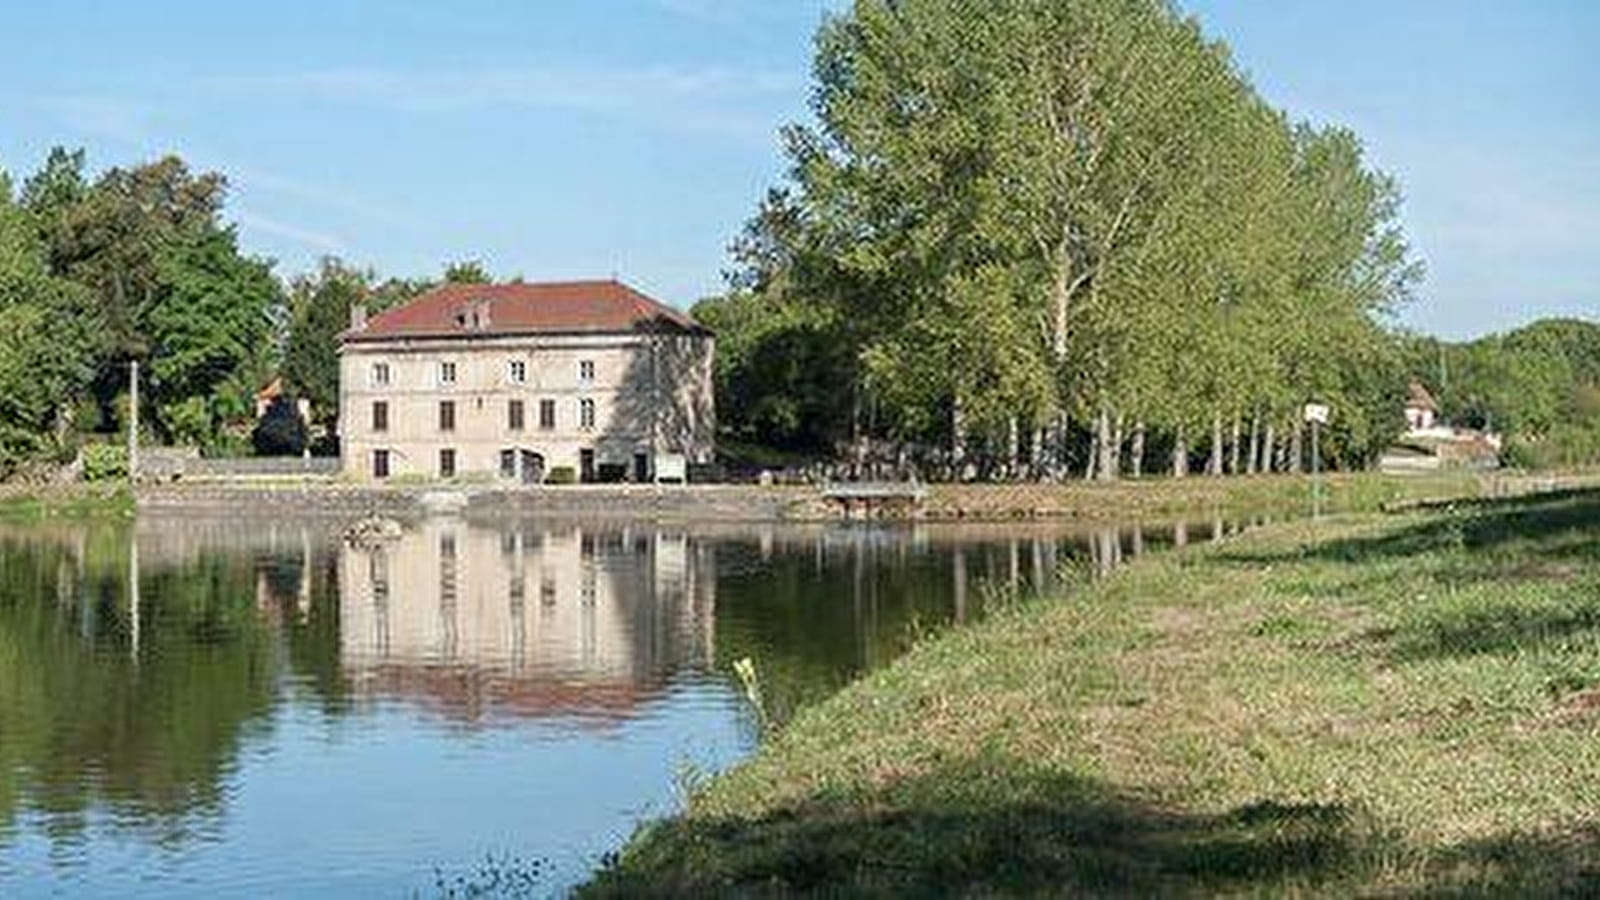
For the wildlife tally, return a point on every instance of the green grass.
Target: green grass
(72, 502)
(1367, 704)
(1283, 496)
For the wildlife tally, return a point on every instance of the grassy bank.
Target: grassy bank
(19, 504)
(1366, 704)
(1256, 495)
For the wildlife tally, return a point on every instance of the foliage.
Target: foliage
(135, 265)
(1022, 221)
(105, 462)
(281, 432)
(1539, 385)
(319, 310)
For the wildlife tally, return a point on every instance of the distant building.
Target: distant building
(513, 381)
(1421, 410)
(272, 392)
(1429, 444)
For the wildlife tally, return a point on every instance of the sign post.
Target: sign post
(1318, 415)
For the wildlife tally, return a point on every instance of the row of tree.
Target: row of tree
(138, 265)
(1046, 235)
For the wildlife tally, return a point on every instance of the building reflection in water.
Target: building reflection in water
(524, 620)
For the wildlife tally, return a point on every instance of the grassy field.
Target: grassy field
(1367, 704)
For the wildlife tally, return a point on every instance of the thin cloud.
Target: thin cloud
(305, 237)
(724, 101)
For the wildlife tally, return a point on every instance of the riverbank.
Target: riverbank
(73, 502)
(1366, 704)
(1280, 496)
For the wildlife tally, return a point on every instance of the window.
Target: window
(508, 463)
(514, 415)
(547, 414)
(586, 371)
(380, 464)
(517, 371)
(447, 373)
(586, 414)
(380, 415)
(447, 415)
(380, 374)
(447, 463)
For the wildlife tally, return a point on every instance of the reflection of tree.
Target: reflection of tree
(85, 724)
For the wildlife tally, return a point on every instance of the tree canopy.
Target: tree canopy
(1037, 231)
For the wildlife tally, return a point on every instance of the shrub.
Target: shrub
(281, 432)
(561, 475)
(105, 462)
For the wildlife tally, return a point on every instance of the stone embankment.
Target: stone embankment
(353, 502)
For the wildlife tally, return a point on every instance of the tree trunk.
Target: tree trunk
(1268, 445)
(1110, 446)
(1119, 434)
(1233, 448)
(1013, 448)
(1297, 448)
(1136, 460)
(1252, 460)
(1036, 453)
(958, 441)
(1214, 464)
(1180, 453)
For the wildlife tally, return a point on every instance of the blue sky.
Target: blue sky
(632, 137)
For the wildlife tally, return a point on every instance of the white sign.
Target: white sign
(1318, 413)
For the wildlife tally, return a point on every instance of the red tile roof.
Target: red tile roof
(558, 307)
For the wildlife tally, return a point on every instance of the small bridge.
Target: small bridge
(875, 500)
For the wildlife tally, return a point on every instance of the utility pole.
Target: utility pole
(133, 423)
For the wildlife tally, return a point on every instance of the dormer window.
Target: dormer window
(517, 371)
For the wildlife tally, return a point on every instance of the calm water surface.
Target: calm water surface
(267, 709)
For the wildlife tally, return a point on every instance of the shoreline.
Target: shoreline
(1377, 703)
(1289, 496)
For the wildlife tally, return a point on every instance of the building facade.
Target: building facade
(591, 381)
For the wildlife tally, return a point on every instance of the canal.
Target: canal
(195, 708)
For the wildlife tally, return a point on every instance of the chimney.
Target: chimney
(358, 316)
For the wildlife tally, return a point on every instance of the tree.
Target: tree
(1075, 214)
(319, 310)
(46, 344)
(281, 432)
(469, 271)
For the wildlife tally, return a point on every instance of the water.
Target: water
(267, 709)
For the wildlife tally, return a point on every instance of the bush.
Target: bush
(105, 462)
(561, 475)
(281, 432)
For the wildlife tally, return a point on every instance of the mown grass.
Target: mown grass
(1283, 496)
(1374, 704)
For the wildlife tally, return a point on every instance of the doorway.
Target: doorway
(641, 467)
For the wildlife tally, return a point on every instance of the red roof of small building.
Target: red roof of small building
(503, 309)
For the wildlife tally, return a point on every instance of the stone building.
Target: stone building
(514, 382)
